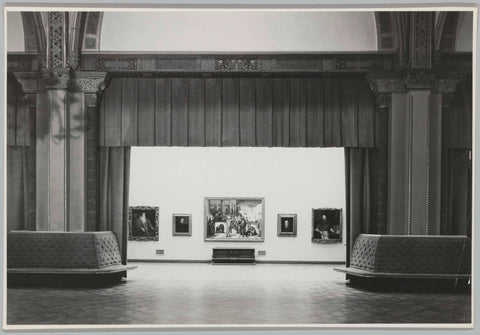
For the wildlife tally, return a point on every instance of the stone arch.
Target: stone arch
(446, 31)
(34, 32)
(387, 38)
(93, 27)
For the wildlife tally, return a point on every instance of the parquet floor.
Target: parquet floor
(157, 293)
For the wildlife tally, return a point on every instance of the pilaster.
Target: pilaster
(62, 101)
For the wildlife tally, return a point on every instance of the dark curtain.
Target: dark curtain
(18, 189)
(113, 200)
(359, 180)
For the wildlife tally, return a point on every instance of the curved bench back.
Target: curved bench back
(412, 254)
(38, 249)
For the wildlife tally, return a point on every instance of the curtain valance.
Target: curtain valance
(263, 112)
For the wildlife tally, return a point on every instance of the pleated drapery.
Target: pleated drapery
(359, 181)
(255, 112)
(114, 186)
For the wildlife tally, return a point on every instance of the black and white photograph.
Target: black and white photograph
(182, 224)
(143, 223)
(327, 225)
(287, 225)
(210, 167)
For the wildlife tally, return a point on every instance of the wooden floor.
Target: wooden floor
(158, 293)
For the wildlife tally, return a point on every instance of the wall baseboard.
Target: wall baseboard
(256, 261)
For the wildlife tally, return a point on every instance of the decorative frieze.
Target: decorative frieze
(422, 40)
(56, 36)
(236, 64)
(386, 83)
(419, 80)
(161, 64)
(114, 63)
(87, 81)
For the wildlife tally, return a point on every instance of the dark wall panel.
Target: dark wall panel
(230, 112)
(163, 111)
(196, 112)
(179, 112)
(264, 106)
(247, 112)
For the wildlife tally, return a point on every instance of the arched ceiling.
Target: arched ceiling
(237, 31)
(211, 31)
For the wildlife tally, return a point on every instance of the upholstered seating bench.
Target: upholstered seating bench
(402, 256)
(85, 254)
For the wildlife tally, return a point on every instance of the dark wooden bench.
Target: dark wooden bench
(410, 257)
(88, 256)
(233, 255)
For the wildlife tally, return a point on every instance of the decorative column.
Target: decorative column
(82, 149)
(444, 92)
(389, 90)
(63, 98)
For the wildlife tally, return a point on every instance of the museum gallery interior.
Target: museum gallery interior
(231, 166)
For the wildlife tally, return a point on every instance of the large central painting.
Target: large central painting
(234, 219)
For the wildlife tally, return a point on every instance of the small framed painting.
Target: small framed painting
(287, 225)
(142, 223)
(327, 225)
(182, 224)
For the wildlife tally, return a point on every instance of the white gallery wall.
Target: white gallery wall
(291, 180)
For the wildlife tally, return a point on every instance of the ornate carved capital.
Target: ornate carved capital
(447, 83)
(385, 83)
(54, 78)
(88, 81)
(91, 99)
(29, 81)
(383, 100)
(418, 80)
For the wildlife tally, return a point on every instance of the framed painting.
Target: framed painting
(327, 225)
(235, 219)
(287, 225)
(182, 225)
(142, 223)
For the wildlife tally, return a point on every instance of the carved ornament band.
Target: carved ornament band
(61, 78)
